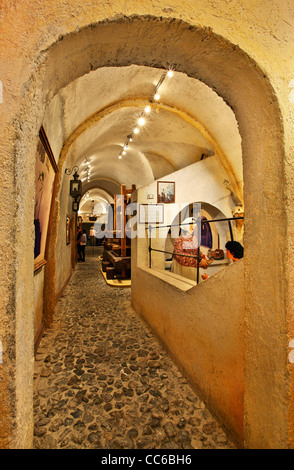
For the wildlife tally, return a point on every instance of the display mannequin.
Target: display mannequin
(235, 250)
(238, 225)
(187, 244)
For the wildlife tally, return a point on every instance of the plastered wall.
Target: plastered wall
(258, 88)
(63, 251)
(39, 302)
(201, 326)
(191, 185)
(52, 124)
(206, 341)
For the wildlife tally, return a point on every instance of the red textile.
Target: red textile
(185, 246)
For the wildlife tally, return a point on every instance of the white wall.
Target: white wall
(201, 182)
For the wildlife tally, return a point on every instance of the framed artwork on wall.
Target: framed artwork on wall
(67, 230)
(166, 192)
(45, 185)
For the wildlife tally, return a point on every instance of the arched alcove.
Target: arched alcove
(208, 212)
(237, 78)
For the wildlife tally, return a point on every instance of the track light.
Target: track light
(141, 121)
(147, 109)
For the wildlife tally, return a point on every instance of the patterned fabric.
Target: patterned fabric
(185, 246)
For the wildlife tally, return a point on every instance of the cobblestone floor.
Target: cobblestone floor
(102, 381)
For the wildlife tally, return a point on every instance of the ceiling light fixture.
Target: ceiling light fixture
(141, 121)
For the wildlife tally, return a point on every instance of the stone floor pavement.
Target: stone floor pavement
(102, 380)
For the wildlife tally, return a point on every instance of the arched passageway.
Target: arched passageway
(238, 80)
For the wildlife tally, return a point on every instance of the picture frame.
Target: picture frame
(67, 230)
(151, 213)
(45, 189)
(166, 192)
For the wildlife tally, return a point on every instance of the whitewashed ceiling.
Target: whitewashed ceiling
(100, 110)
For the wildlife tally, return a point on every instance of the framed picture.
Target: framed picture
(67, 230)
(165, 192)
(151, 213)
(45, 187)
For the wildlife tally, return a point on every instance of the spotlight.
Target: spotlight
(141, 121)
(147, 109)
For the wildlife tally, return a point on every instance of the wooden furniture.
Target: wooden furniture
(117, 245)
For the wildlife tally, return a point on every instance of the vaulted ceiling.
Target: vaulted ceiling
(98, 113)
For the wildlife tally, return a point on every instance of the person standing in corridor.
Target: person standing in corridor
(79, 235)
(83, 243)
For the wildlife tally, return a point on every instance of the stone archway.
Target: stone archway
(233, 75)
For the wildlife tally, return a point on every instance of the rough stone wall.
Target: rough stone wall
(264, 30)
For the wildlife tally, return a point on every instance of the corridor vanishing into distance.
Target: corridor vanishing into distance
(102, 380)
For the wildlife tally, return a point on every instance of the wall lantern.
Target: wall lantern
(75, 189)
